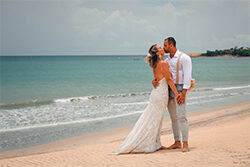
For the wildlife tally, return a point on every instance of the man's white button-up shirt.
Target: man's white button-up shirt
(185, 69)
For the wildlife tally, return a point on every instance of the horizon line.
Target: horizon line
(79, 55)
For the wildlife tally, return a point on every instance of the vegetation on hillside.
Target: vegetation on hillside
(238, 52)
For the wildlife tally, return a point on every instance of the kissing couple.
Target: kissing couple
(172, 79)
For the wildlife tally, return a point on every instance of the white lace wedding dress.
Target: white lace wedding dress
(145, 135)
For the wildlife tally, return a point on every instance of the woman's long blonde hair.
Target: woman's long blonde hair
(152, 58)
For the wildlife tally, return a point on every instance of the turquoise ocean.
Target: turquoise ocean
(48, 98)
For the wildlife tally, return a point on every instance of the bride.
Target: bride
(145, 135)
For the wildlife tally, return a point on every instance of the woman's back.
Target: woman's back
(158, 71)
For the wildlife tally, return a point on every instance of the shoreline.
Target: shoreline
(227, 56)
(197, 120)
(194, 55)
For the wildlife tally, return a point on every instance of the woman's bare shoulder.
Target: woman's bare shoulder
(164, 67)
(163, 63)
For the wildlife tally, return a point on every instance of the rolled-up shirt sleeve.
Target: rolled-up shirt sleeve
(187, 71)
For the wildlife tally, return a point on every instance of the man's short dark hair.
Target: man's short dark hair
(171, 40)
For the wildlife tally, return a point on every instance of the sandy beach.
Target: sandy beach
(218, 137)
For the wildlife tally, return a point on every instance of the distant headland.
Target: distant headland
(233, 52)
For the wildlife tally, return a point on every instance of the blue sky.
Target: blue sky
(95, 27)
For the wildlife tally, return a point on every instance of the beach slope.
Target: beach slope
(218, 137)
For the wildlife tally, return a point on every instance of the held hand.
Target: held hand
(181, 98)
(155, 83)
(178, 99)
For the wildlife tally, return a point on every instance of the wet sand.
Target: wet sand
(218, 137)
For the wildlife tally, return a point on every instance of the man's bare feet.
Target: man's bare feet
(176, 145)
(185, 147)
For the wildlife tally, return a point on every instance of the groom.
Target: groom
(178, 112)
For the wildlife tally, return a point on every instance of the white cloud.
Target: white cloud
(106, 26)
(127, 44)
(119, 27)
